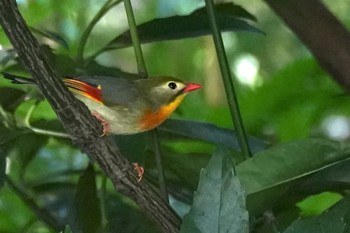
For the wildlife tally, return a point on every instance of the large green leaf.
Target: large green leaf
(88, 213)
(286, 162)
(193, 25)
(219, 203)
(266, 176)
(335, 220)
(335, 178)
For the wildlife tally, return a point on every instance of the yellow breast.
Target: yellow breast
(152, 119)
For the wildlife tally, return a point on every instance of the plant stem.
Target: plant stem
(105, 8)
(104, 220)
(227, 79)
(141, 67)
(41, 131)
(142, 70)
(160, 169)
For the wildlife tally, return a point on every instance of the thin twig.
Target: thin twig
(141, 67)
(142, 70)
(38, 130)
(160, 168)
(104, 220)
(227, 79)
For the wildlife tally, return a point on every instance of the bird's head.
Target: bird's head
(164, 94)
(162, 91)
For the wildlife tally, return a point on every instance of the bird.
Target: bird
(125, 106)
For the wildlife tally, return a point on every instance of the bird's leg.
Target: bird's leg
(140, 170)
(105, 124)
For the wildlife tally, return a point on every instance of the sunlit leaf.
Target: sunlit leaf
(316, 204)
(335, 220)
(219, 203)
(193, 25)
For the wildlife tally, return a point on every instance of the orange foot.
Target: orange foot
(140, 170)
(105, 124)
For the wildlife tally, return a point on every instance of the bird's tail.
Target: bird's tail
(18, 79)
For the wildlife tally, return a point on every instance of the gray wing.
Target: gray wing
(115, 91)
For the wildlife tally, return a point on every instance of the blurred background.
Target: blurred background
(283, 94)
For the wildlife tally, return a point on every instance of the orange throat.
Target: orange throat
(152, 119)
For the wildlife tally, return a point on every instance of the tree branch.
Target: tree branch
(78, 122)
(321, 32)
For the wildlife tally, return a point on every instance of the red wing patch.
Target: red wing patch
(88, 90)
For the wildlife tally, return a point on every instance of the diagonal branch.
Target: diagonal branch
(79, 123)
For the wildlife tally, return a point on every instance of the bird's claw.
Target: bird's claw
(140, 171)
(105, 124)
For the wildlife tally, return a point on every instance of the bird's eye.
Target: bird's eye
(172, 85)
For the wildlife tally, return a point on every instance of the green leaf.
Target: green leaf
(88, 213)
(219, 203)
(336, 178)
(335, 220)
(193, 25)
(289, 161)
(316, 204)
(2, 168)
(208, 133)
(267, 175)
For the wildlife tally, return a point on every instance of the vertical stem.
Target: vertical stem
(227, 79)
(161, 175)
(141, 67)
(104, 220)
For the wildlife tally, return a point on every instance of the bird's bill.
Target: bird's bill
(191, 87)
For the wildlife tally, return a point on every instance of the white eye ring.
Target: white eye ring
(172, 85)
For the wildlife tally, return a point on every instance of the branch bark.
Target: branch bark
(321, 32)
(78, 122)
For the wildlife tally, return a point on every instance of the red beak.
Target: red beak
(191, 87)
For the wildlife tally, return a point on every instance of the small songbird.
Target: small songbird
(125, 105)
